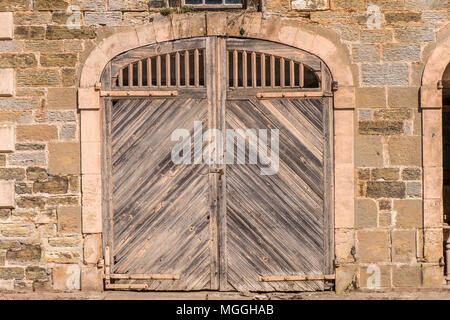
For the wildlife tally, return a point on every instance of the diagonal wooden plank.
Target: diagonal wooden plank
(279, 217)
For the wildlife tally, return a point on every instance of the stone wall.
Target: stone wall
(42, 246)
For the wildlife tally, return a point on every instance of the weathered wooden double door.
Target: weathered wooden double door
(218, 162)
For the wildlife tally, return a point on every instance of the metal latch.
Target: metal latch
(216, 170)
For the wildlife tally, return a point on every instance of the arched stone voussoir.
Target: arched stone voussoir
(252, 25)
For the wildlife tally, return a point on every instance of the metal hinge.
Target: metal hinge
(440, 85)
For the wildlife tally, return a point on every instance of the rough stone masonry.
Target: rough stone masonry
(42, 246)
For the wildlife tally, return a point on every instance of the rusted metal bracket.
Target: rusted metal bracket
(292, 94)
(297, 278)
(144, 276)
(216, 170)
(138, 94)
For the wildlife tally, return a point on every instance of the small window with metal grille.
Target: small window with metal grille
(214, 3)
(177, 69)
(260, 70)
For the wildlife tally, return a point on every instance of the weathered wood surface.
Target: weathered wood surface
(275, 224)
(161, 210)
(218, 226)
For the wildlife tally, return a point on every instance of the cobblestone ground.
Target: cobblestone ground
(443, 294)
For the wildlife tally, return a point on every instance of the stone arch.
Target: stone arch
(431, 105)
(286, 31)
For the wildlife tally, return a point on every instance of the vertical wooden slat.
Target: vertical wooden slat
(168, 75)
(177, 69)
(272, 71)
(187, 76)
(244, 68)
(121, 78)
(282, 72)
(149, 72)
(130, 75)
(235, 69)
(263, 70)
(254, 73)
(196, 68)
(140, 73)
(158, 71)
(302, 75)
(292, 73)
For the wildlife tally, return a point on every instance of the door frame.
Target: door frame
(282, 31)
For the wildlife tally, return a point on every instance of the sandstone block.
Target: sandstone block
(7, 25)
(91, 279)
(92, 248)
(66, 277)
(409, 213)
(64, 158)
(405, 151)
(61, 98)
(373, 246)
(7, 194)
(41, 132)
(406, 276)
(403, 245)
(69, 219)
(365, 213)
(8, 138)
(7, 83)
(385, 189)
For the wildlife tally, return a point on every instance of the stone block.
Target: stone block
(365, 213)
(41, 132)
(105, 18)
(7, 83)
(7, 194)
(369, 275)
(411, 174)
(26, 254)
(395, 74)
(413, 189)
(53, 185)
(385, 189)
(6, 25)
(29, 33)
(396, 114)
(66, 277)
(88, 98)
(62, 256)
(403, 245)
(373, 246)
(432, 276)
(310, 5)
(368, 151)
(365, 53)
(61, 98)
(408, 213)
(58, 59)
(423, 33)
(92, 248)
(91, 279)
(406, 276)
(7, 138)
(69, 219)
(402, 52)
(346, 278)
(405, 151)
(385, 174)
(370, 97)
(64, 158)
(38, 78)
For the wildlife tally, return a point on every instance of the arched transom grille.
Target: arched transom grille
(184, 68)
(260, 70)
